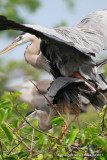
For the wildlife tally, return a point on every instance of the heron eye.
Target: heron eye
(20, 37)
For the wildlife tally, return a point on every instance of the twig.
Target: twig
(88, 123)
(78, 123)
(69, 149)
(1, 149)
(15, 146)
(29, 134)
(32, 141)
(24, 138)
(4, 145)
(61, 134)
(13, 154)
(54, 106)
(20, 138)
(103, 118)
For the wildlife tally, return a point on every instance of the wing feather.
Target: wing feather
(89, 36)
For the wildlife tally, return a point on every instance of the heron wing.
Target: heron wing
(66, 88)
(62, 82)
(89, 36)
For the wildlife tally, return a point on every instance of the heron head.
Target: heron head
(21, 39)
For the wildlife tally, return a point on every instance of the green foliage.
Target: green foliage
(70, 3)
(57, 121)
(62, 143)
(7, 132)
(71, 137)
(9, 8)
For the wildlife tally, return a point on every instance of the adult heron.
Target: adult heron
(66, 51)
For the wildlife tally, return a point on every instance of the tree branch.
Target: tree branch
(32, 141)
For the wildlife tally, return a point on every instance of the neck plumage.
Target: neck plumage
(43, 120)
(34, 57)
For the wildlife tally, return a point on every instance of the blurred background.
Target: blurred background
(13, 68)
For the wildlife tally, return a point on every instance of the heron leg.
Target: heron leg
(76, 111)
(66, 111)
(78, 122)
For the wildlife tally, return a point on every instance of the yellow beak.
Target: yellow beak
(20, 126)
(11, 46)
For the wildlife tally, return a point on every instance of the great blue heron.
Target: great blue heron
(66, 51)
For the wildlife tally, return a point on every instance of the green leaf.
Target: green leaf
(7, 132)
(17, 94)
(24, 105)
(71, 137)
(2, 115)
(100, 141)
(22, 154)
(10, 158)
(4, 103)
(92, 130)
(104, 108)
(58, 121)
(40, 156)
(41, 139)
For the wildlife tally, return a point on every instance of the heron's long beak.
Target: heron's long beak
(11, 46)
(20, 126)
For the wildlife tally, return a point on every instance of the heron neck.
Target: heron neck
(43, 120)
(32, 52)
(35, 58)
